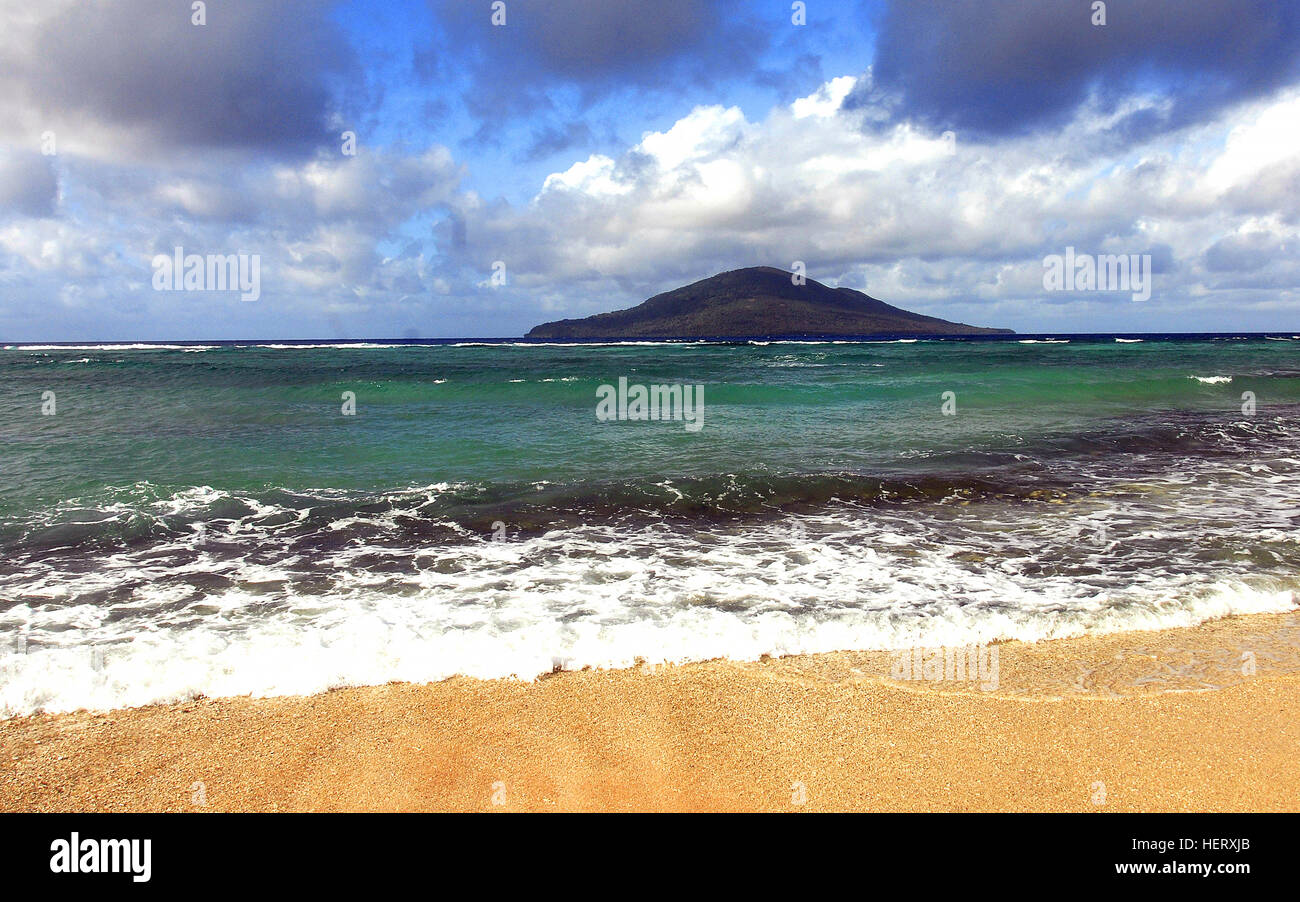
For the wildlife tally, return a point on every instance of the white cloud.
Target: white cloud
(593, 176)
(1272, 137)
(703, 133)
(826, 100)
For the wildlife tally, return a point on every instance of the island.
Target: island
(756, 302)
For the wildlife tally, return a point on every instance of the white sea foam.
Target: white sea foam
(366, 640)
(1212, 380)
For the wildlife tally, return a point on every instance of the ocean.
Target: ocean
(195, 519)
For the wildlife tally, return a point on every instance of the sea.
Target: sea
(279, 518)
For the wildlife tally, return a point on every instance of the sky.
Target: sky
(409, 169)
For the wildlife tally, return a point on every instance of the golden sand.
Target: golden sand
(1200, 719)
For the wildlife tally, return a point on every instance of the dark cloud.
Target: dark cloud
(1245, 253)
(552, 140)
(1162, 258)
(801, 77)
(595, 44)
(256, 75)
(997, 66)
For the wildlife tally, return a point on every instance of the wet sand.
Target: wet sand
(1198, 719)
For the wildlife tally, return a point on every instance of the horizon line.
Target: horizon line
(1003, 336)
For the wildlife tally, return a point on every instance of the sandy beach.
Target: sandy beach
(1197, 719)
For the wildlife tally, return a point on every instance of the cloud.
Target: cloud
(28, 184)
(159, 146)
(1249, 251)
(140, 75)
(594, 47)
(320, 227)
(552, 140)
(1004, 67)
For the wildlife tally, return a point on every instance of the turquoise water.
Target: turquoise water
(207, 520)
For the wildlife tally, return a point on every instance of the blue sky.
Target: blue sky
(930, 153)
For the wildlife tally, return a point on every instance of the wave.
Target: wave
(207, 592)
(1049, 467)
(1212, 380)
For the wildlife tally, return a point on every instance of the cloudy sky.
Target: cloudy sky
(929, 152)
